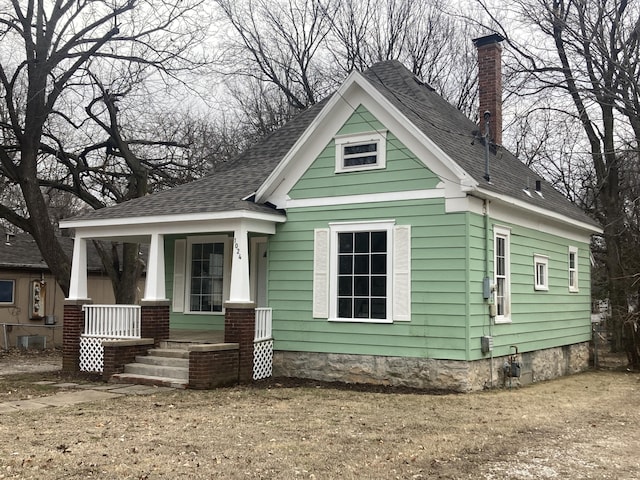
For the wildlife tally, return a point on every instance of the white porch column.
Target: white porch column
(154, 288)
(78, 282)
(240, 286)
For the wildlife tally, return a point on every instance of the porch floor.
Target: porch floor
(196, 336)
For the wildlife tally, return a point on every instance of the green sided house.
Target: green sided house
(379, 237)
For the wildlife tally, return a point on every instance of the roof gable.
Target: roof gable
(358, 91)
(402, 172)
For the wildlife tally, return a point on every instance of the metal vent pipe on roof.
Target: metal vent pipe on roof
(487, 138)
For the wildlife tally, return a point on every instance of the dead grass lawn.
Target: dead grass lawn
(580, 427)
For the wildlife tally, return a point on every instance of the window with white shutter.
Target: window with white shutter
(321, 273)
(362, 272)
(179, 252)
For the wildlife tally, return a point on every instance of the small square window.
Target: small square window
(7, 292)
(364, 151)
(541, 272)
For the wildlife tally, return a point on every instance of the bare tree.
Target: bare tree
(59, 50)
(288, 54)
(279, 43)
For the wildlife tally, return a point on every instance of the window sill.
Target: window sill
(360, 320)
(204, 313)
(502, 321)
(359, 168)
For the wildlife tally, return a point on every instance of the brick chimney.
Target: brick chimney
(490, 83)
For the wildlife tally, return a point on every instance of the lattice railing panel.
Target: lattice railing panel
(262, 359)
(91, 354)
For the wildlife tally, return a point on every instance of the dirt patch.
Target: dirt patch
(580, 427)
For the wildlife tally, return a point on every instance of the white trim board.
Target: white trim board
(365, 198)
(177, 218)
(141, 228)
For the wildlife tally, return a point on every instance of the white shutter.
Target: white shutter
(321, 273)
(402, 273)
(179, 263)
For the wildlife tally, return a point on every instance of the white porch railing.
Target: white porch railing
(112, 321)
(262, 345)
(263, 324)
(105, 322)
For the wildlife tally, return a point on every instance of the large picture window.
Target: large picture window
(502, 274)
(362, 274)
(7, 292)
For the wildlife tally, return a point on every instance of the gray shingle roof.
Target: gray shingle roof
(453, 133)
(224, 189)
(22, 253)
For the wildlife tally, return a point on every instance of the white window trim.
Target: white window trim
(380, 138)
(13, 291)
(541, 260)
(226, 270)
(505, 233)
(334, 229)
(573, 251)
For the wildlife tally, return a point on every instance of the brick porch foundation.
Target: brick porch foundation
(154, 320)
(239, 327)
(73, 327)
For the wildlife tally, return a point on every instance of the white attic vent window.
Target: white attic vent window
(362, 151)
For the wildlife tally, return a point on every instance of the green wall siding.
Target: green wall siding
(449, 314)
(539, 319)
(438, 325)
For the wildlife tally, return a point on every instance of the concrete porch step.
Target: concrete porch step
(158, 381)
(169, 352)
(180, 344)
(163, 360)
(150, 370)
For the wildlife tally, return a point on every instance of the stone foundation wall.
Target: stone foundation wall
(428, 373)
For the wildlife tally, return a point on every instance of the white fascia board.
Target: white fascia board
(355, 91)
(365, 198)
(143, 227)
(416, 140)
(279, 173)
(509, 209)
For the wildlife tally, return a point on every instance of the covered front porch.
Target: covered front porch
(221, 295)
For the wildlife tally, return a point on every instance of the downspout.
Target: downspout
(487, 280)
